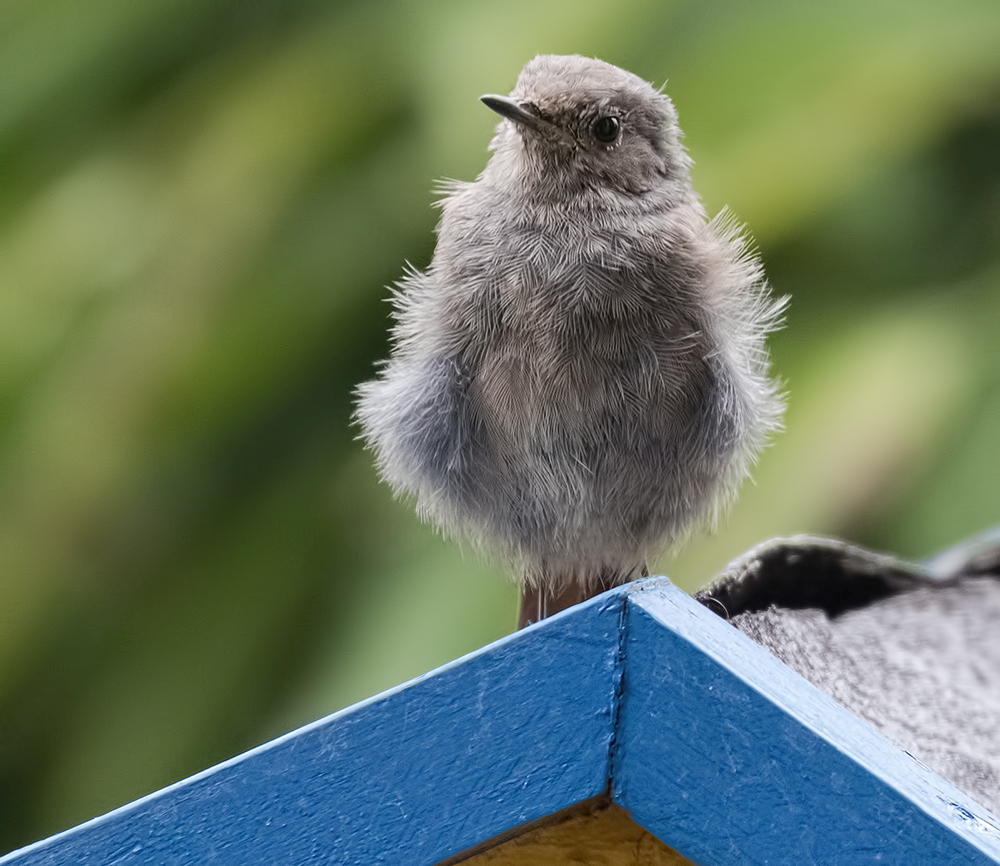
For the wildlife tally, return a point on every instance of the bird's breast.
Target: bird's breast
(582, 367)
(566, 322)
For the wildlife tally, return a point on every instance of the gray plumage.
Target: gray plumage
(581, 373)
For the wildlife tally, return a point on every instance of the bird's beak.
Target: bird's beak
(513, 110)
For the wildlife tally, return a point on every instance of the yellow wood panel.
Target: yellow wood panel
(606, 837)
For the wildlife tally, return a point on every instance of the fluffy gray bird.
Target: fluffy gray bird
(581, 374)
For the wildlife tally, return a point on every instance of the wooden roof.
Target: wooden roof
(641, 697)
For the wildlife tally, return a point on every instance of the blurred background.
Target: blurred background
(202, 204)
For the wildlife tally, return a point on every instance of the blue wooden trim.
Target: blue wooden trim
(506, 735)
(732, 758)
(708, 740)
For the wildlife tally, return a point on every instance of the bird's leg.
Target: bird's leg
(539, 602)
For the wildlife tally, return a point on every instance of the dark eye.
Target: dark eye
(606, 129)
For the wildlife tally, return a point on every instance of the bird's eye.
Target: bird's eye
(606, 129)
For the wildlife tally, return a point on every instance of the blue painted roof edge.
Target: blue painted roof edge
(500, 737)
(732, 757)
(708, 740)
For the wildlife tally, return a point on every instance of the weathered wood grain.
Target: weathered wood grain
(604, 837)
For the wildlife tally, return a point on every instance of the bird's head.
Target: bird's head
(576, 123)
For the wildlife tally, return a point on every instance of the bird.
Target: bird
(580, 378)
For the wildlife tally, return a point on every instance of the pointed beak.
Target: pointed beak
(513, 110)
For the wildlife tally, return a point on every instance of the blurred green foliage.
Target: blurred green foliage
(203, 203)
